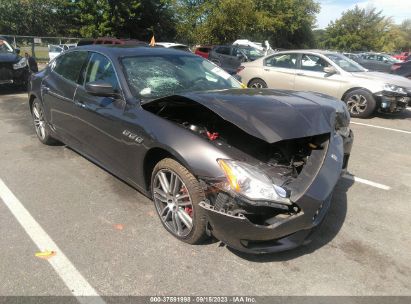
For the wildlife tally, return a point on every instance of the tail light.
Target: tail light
(240, 68)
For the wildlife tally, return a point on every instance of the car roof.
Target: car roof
(131, 50)
(311, 51)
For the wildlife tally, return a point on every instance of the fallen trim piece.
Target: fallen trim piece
(75, 282)
(378, 127)
(367, 182)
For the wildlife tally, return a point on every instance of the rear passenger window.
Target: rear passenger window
(100, 68)
(69, 65)
(288, 61)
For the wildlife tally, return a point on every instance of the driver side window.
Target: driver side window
(100, 68)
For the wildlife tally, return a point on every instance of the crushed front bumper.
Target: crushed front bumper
(291, 230)
(390, 102)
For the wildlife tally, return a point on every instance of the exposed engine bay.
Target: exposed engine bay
(282, 161)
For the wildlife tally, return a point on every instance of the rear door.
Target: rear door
(58, 90)
(279, 71)
(310, 76)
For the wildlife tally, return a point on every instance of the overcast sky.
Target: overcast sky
(332, 9)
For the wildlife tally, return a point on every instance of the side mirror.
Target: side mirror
(100, 88)
(17, 50)
(330, 70)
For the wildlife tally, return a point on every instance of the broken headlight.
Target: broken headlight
(342, 121)
(394, 89)
(249, 181)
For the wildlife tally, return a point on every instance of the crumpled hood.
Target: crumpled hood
(272, 115)
(384, 78)
(9, 58)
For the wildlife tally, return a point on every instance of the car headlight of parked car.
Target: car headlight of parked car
(21, 64)
(249, 181)
(394, 89)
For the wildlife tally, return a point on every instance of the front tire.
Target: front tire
(360, 103)
(176, 195)
(40, 124)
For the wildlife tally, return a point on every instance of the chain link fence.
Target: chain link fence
(37, 47)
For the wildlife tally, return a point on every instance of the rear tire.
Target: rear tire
(177, 203)
(40, 124)
(360, 103)
(257, 84)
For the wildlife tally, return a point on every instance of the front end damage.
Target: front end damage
(393, 99)
(302, 171)
(265, 226)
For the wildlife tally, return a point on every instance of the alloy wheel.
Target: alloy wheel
(39, 122)
(356, 104)
(257, 85)
(173, 202)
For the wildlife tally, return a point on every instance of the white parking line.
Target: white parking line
(76, 283)
(365, 181)
(378, 127)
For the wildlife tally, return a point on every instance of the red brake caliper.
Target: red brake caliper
(188, 210)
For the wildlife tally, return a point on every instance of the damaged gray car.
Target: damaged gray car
(255, 168)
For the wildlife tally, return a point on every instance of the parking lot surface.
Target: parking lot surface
(113, 239)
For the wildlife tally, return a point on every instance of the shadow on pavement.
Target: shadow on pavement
(12, 89)
(324, 234)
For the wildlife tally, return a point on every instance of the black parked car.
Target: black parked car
(402, 69)
(230, 57)
(254, 168)
(13, 68)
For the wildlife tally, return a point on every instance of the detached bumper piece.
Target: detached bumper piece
(261, 228)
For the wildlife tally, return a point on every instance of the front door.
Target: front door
(101, 127)
(311, 76)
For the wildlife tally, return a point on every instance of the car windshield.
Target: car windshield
(5, 47)
(151, 77)
(346, 63)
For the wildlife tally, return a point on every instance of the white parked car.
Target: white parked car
(55, 50)
(171, 45)
(329, 73)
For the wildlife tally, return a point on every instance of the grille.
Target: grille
(6, 72)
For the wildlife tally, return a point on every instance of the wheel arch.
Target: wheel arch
(353, 89)
(153, 156)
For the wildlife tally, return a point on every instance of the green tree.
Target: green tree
(34, 17)
(285, 23)
(358, 29)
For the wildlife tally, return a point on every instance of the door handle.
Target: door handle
(300, 74)
(267, 70)
(45, 88)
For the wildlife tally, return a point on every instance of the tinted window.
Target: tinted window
(282, 61)
(223, 50)
(100, 68)
(204, 50)
(70, 64)
(313, 63)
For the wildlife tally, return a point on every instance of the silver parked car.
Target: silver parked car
(329, 73)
